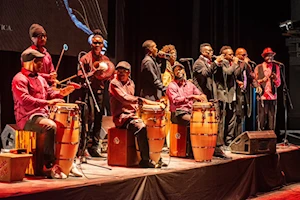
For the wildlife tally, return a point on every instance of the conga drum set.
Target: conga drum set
(203, 131)
(154, 118)
(67, 119)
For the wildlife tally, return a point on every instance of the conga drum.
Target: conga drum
(67, 119)
(203, 131)
(154, 118)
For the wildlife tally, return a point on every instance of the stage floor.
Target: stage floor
(98, 174)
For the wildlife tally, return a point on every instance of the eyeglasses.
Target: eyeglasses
(42, 36)
(97, 42)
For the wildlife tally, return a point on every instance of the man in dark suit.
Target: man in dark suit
(152, 87)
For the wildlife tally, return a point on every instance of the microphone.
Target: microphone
(185, 59)
(276, 62)
(252, 62)
(164, 55)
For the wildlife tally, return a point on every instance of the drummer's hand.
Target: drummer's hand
(55, 101)
(202, 98)
(67, 90)
(53, 75)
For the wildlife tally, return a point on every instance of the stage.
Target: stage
(239, 178)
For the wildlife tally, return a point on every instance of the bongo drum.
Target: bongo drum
(67, 119)
(154, 118)
(203, 131)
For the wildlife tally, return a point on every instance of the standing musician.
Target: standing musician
(267, 75)
(98, 86)
(152, 87)
(169, 56)
(38, 37)
(204, 70)
(124, 106)
(225, 79)
(32, 96)
(245, 79)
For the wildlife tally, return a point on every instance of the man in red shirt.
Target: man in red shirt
(32, 96)
(124, 106)
(38, 37)
(267, 75)
(182, 94)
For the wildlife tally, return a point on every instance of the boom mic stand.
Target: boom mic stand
(96, 105)
(286, 95)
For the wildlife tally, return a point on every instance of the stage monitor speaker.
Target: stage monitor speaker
(8, 136)
(254, 142)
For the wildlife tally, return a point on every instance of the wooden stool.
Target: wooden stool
(13, 166)
(121, 148)
(34, 144)
(179, 141)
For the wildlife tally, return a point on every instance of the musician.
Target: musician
(98, 87)
(124, 106)
(182, 94)
(203, 70)
(152, 87)
(38, 37)
(245, 80)
(267, 75)
(225, 79)
(32, 96)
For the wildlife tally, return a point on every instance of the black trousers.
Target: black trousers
(138, 128)
(227, 123)
(266, 114)
(95, 117)
(46, 128)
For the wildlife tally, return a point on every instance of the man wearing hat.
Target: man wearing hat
(124, 106)
(38, 37)
(182, 94)
(267, 75)
(32, 96)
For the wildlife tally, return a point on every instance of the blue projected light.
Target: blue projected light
(83, 27)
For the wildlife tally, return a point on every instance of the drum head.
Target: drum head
(203, 105)
(69, 106)
(154, 108)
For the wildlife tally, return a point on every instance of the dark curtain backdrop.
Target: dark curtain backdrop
(253, 25)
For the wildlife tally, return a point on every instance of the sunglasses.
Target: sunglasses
(97, 42)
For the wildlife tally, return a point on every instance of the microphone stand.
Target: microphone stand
(286, 95)
(190, 68)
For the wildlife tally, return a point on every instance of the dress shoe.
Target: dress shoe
(146, 164)
(95, 152)
(75, 171)
(219, 153)
(163, 164)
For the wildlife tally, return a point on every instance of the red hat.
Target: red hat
(266, 51)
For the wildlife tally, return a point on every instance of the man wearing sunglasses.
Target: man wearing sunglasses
(245, 80)
(99, 87)
(38, 37)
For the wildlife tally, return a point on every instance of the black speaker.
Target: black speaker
(254, 142)
(8, 136)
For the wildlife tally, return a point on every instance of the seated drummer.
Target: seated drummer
(32, 96)
(124, 106)
(182, 94)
